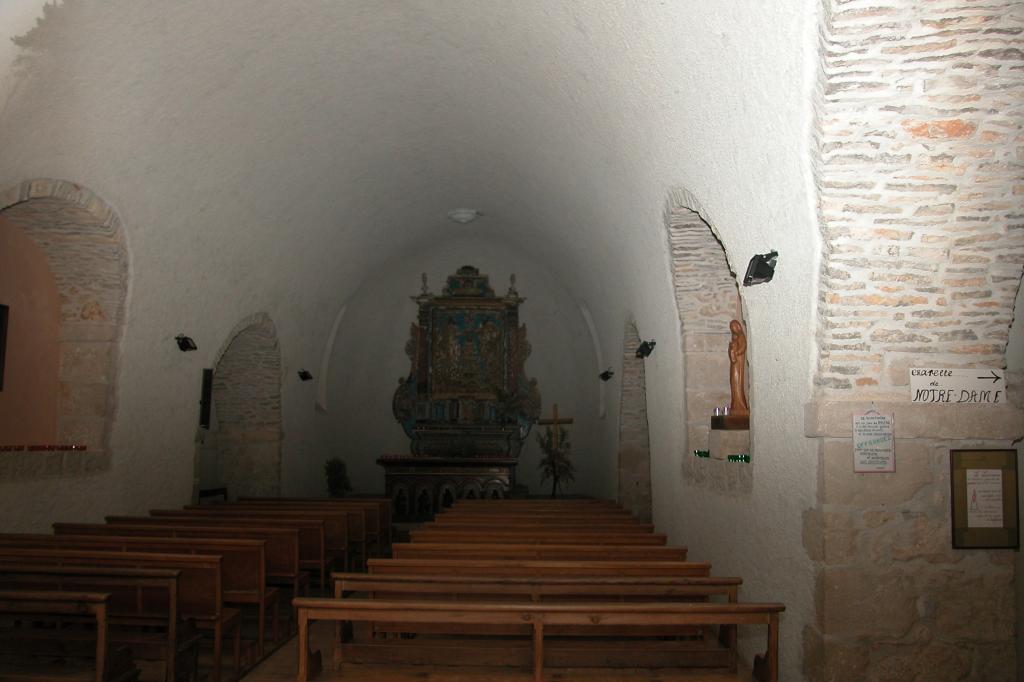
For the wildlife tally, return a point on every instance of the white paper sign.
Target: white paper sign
(984, 498)
(957, 386)
(874, 442)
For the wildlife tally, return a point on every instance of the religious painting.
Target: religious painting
(467, 353)
(984, 499)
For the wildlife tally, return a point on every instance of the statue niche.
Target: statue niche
(467, 405)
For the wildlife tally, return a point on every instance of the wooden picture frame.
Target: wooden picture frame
(984, 498)
(4, 312)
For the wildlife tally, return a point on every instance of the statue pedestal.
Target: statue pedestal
(732, 442)
(420, 487)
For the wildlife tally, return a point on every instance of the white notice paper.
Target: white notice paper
(984, 498)
(874, 444)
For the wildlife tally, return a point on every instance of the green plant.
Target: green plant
(337, 477)
(555, 464)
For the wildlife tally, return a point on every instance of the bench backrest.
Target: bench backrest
(200, 590)
(340, 527)
(281, 544)
(374, 519)
(536, 588)
(553, 568)
(515, 536)
(133, 592)
(311, 531)
(243, 568)
(550, 551)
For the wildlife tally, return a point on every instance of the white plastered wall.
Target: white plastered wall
(268, 160)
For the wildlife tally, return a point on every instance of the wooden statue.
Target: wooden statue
(737, 369)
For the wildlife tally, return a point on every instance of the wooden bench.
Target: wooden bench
(105, 666)
(365, 535)
(143, 608)
(382, 504)
(538, 616)
(200, 594)
(312, 546)
(281, 545)
(244, 581)
(506, 567)
(339, 544)
(541, 550)
(541, 589)
(536, 537)
(518, 523)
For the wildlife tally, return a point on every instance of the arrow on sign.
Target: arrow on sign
(995, 377)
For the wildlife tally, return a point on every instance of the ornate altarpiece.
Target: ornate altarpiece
(467, 405)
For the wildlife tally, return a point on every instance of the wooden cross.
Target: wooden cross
(556, 422)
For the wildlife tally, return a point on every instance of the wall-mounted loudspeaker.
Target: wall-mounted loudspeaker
(206, 401)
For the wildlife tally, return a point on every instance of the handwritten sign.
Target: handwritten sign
(874, 443)
(984, 498)
(958, 386)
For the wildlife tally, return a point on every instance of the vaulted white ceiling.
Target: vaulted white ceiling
(319, 140)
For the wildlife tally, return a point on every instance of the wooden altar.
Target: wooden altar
(466, 405)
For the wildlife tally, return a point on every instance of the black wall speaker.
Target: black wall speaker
(207, 399)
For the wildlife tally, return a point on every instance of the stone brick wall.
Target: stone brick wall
(247, 401)
(84, 243)
(634, 437)
(920, 110)
(917, 165)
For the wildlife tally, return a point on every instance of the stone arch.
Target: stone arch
(707, 298)
(247, 409)
(84, 243)
(634, 434)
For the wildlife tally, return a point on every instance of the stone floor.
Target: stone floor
(282, 665)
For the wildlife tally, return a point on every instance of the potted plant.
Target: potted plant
(337, 477)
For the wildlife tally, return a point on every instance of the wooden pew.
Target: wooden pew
(516, 536)
(539, 616)
(506, 567)
(383, 505)
(542, 551)
(312, 546)
(537, 589)
(106, 666)
(143, 608)
(244, 580)
(369, 529)
(518, 523)
(281, 545)
(339, 544)
(200, 590)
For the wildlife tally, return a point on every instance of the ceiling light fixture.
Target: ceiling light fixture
(463, 215)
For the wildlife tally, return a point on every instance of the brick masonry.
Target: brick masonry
(634, 439)
(918, 150)
(84, 242)
(247, 402)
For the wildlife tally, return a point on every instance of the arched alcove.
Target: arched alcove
(247, 410)
(634, 431)
(83, 243)
(708, 299)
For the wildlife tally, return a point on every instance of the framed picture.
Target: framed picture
(984, 499)
(3, 341)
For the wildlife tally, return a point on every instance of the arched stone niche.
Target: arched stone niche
(247, 407)
(707, 298)
(634, 433)
(83, 241)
